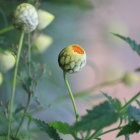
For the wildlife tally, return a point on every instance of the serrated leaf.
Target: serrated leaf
(134, 113)
(132, 43)
(115, 102)
(47, 129)
(62, 127)
(99, 117)
(132, 127)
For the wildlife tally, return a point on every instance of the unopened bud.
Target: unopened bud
(130, 79)
(25, 17)
(72, 58)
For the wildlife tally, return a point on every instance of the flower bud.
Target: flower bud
(25, 17)
(1, 78)
(130, 79)
(44, 19)
(72, 58)
(41, 43)
(7, 61)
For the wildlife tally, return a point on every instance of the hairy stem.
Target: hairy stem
(14, 83)
(24, 114)
(6, 29)
(71, 96)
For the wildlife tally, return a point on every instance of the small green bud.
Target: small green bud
(7, 61)
(72, 58)
(130, 79)
(44, 19)
(41, 43)
(25, 17)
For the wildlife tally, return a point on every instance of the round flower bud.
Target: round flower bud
(44, 19)
(1, 78)
(25, 17)
(72, 58)
(41, 43)
(7, 61)
(130, 79)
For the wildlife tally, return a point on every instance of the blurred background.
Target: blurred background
(88, 23)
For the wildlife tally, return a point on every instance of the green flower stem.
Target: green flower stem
(29, 55)
(129, 102)
(71, 96)
(29, 94)
(96, 87)
(103, 133)
(6, 29)
(24, 114)
(14, 83)
(90, 90)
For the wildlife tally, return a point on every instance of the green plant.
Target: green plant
(71, 59)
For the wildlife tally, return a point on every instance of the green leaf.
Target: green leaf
(132, 43)
(62, 127)
(99, 117)
(132, 127)
(47, 129)
(134, 113)
(115, 102)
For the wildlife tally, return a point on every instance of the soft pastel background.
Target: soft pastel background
(88, 23)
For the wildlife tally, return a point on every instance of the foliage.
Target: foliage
(130, 128)
(132, 43)
(100, 116)
(47, 129)
(134, 113)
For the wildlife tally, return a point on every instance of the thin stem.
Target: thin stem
(130, 101)
(103, 133)
(96, 87)
(14, 82)
(90, 90)
(24, 114)
(71, 96)
(29, 55)
(6, 29)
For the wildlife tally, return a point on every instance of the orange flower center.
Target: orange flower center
(78, 49)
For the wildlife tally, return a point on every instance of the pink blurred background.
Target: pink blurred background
(112, 56)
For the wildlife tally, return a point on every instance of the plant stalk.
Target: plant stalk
(71, 96)
(90, 90)
(14, 83)
(24, 114)
(96, 87)
(29, 55)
